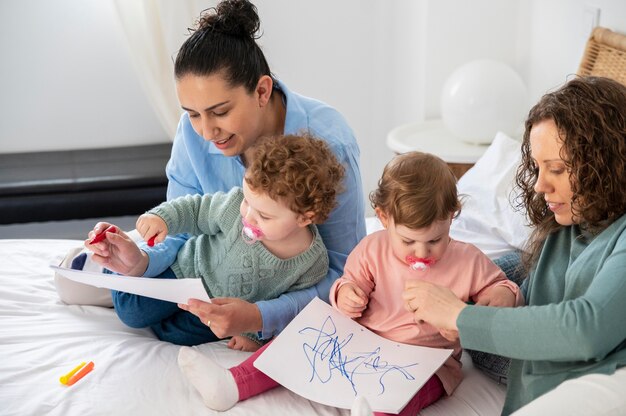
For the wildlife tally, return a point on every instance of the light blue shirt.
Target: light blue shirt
(197, 167)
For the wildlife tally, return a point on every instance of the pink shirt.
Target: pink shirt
(381, 275)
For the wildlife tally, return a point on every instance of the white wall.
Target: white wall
(356, 56)
(463, 31)
(67, 81)
(383, 63)
(558, 36)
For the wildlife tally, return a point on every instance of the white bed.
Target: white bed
(41, 339)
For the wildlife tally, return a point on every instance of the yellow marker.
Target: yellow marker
(65, 378)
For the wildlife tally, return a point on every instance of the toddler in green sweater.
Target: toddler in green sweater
(254, 242)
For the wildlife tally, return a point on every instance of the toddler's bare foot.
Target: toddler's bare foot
(241, 343)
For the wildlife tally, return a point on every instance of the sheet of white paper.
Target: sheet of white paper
(172, 290)
(328, 358)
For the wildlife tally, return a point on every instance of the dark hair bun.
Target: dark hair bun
(231, 17)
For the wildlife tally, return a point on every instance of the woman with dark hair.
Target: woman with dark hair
(231, 99)
(572, 180)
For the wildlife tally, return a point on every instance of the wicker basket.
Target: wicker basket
(605, 55)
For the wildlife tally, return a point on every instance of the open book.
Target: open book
(326, 357)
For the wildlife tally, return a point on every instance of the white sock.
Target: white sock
(215, 384)
(360, 407)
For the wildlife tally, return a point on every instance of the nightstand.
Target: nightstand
(431, 136)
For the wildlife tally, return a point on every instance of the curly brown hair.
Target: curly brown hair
(590, 115)
(417, 189)
(300, 170)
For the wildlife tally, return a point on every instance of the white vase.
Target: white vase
(481, 98)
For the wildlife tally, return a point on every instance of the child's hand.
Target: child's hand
(149, 226)
(116, 251)
(351, 300)
(450, 334)
(497, 296)
(241, 343)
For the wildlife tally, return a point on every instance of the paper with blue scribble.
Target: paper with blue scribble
(326, 357)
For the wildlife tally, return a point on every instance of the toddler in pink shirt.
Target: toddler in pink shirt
(416, 201)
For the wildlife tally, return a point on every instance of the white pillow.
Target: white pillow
(488, 219)
(373, 224)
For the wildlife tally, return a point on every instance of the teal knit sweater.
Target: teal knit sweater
(228, 266)
(575, 322)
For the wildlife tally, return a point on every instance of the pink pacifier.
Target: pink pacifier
(250, 233)
(418, 263)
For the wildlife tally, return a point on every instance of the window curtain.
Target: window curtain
(154, 30)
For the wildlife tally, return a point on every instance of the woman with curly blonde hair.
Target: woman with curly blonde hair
(567, 346)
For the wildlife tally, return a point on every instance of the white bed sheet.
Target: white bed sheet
(41, 339)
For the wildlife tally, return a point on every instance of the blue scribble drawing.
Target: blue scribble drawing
(328, 355)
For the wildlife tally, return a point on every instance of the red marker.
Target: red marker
(80, 374)
(151, 240)
(102, 235)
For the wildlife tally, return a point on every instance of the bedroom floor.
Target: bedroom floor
(66, 230)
